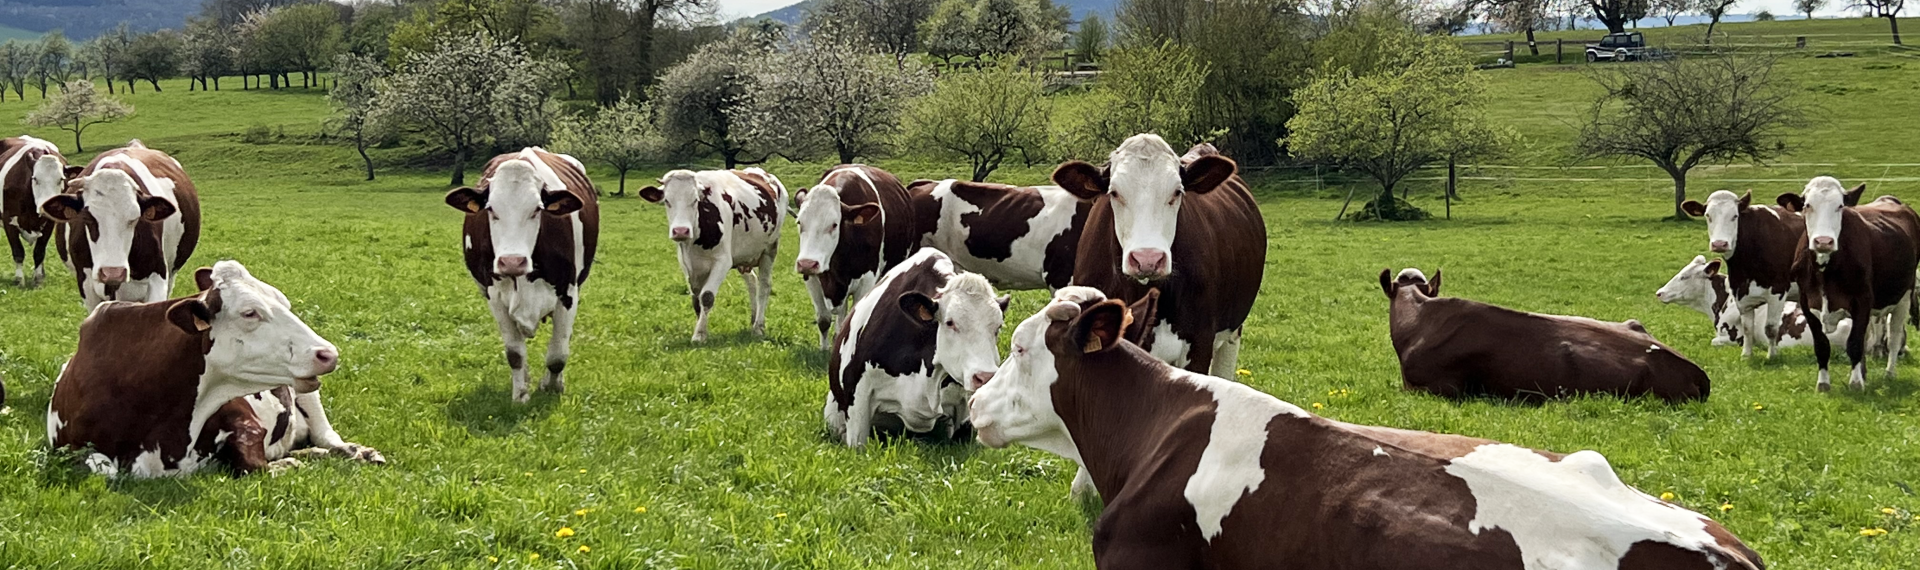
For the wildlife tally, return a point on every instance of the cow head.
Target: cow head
(514, 198)
(1722, 211)
(968, 320)
(50, 175)
(1145, 183)
(1694, 285)
(1017, 406)
(109, 205)
(256, 340)
(1824, 203)
(1391, 284)
(821, 221)
(681, 192)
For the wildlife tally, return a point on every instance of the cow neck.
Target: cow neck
(1758, 255)
(1116, 405)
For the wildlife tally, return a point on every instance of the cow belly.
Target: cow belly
(913, 398)
(526, 302)
(750, 247)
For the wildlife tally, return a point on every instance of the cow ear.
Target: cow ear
(1140, 317)
(203, 278)
(1853, 196)
(1746, 199)
(861, 214)
(560, 203)
(63, 208)
(155, 208)
(191, 315)
(919, 307)
(652, 194)
(1386, 282)
(1206, 173)
(467, 200)
(1083, 180)
(1100, 327)
(1791, 201)
(1433, 285)
(1713, 267)
(1693, 208)
(72, 171)
(1004, 300)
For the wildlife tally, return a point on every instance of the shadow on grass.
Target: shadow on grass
(488, 409)
(808, 356)
(735, 339)
(1882, 395)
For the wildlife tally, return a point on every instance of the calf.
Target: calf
(1757, 243)
(128, 223)
(1018, 238)
(913, 350)
(1857, 260)
(19, 210)
(1702, 287)
(1186, 225)
(529, 236)
(1458, 348)
(723, 219)
(1201, 472)
(854, 225)
(159, 389)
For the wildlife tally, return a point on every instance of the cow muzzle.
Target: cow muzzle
(680, 233)
(512, 265)
(807, 267)
(1823, 244)
(1720, 246)
(325, 360)
(1148, 264)
(111, 275)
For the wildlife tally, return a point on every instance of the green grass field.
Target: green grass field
(665, 454)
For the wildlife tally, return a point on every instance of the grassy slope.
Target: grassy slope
(722, 444)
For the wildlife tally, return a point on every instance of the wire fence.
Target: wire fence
(1563, 50)
(1783, 173)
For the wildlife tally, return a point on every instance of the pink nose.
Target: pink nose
(512, 265)
(980, 379)
(807, 266)
(1147, 263)
(112, 275)
(1718, 246)
(326, 360)
(1823, 243)
(681, 233)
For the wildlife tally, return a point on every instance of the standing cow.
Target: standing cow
(1200, 472)
(854, 225)
(913, 350)
(128, 223)
(1018, 237)
(1858, 260)
(1702, 287)
(20, 184)
(723, 219)
(1758, 244)
(529, 236)
(1186, 225)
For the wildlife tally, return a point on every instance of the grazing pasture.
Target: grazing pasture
(668, 454)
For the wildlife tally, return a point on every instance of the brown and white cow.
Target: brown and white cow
(531, 228)
(1017, 237)
(722, 220)
(1186, 225)
(128, 223)
(1701, 286)
(160, 389)
(19, 210)
(1201, 472)
(1857, 260)
(854, 225)
(1459, 348)
(911, 352)
(1758, 243)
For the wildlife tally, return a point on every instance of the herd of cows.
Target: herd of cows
(1154, 260)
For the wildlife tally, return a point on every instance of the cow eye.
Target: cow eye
(833, 228)
(251, 314)
(951, 325)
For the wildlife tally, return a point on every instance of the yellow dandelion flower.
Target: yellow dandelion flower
(1317, 405)
(529, 473)
(583, 471)
(1886, 511)
(584, 549)
(1872, 532)
(1666, 496)
(533, 556)
(1757, 407)
(582, 512)
(779, 515)
(1243, 372)
(1724, 507)
(564, 532)
(493, 559)
(639, 509)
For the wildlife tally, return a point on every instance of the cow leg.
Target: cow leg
(1857, 346)
(1775, 307)
(1200, 354)
(703, 294)
(1082, 488)
(822, 312)
(1226, 354)
(860, 416)
(763, 294)
(1897, 333)
(516, 342)
(320, 433)
(1822, 346)
(19, 256)
(559, 347)
(40, 258)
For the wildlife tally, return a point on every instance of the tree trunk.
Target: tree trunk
(460, 166)
(110, 86)
(1532, 47)
(1712, 21)
(360, 143)
(156, 83)
(216, 83)
(1452, 187)
(1894, 22)
(1343, 205)
(1679, 194)
(623, 183)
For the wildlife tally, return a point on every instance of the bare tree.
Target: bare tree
(1683, 112)
(1520, 16)
(356, 84)
(1808, 7)
(1714, 10)
(1889, 9)
(1670, 10)
(1616, 14)
(77, 106)
(890, 26)
(467, 92)
(829, 96)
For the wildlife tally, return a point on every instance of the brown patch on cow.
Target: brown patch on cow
(1872, 269)
(894, 342)
(769, 211)
(120, 410)
(708, 216)
(1004, 215)
(868, 247)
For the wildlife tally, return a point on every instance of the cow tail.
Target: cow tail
(1913, 305)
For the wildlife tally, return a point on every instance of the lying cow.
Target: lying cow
(1018, 238)
(128, 223)
(160, 389)
(1201, 472)
(531, 228)
(1758, 243)
(856, 224)
(1858, 260)
(1459, 348)
(1186, 225)
(913, 350)
(19, 210)
(722, 220)
(1702, 287)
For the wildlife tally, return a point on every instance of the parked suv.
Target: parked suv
(1618, 47)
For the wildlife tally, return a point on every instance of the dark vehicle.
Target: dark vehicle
(1618, 47)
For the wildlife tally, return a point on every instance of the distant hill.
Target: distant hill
(84, 19)
(7, 33)
(794, 13)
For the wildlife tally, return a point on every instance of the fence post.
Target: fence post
(1800, 42)
(1559, 46)
(1509, 51)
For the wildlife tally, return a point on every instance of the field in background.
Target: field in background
(666, 454)
(9, 33)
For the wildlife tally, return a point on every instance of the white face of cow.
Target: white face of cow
(821, 221)
(1723, 221)
(967, 344)
(107, 208)
(1017, 405)
(256, 337)
(1146, 185)
(515, 200)
(680, 191)
(1693, 286)
(50, 177)
(1825, 200)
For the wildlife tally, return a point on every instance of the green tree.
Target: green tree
(153, 57)
(110, 51)
(16, 66)
(77, 106)
(702, 101)
(356, 85)
(1141, 90)
(984, 118)
(300, 38)
(825, 96)
(207, 53)
(1422, 103)
(622, 136)
(1092, 38)
(1254, 53)
(469, 92)
(1807, 7)
(54, 64)
(991, 28)
(1889, 9)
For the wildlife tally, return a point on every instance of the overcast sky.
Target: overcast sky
(731, 9)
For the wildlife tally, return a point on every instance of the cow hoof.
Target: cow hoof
(280, 466)
(1823, 386)
(758, 330)
(554, 385)
(699, 337)
(520, 396)
(361, 453)
(1857, 384)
